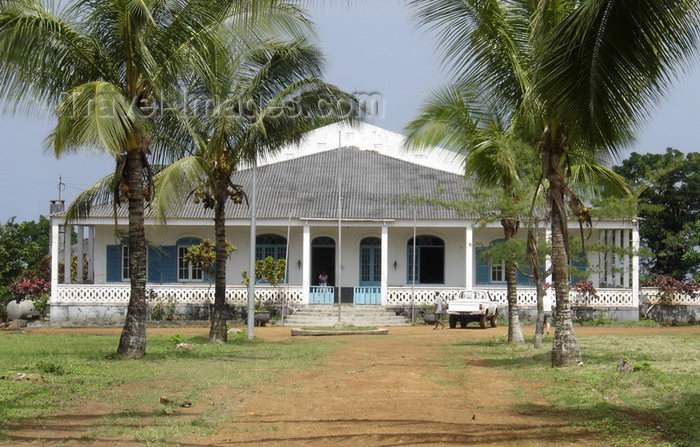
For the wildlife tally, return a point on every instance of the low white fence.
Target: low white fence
(396, 296)
(653, 296)
(189, 294)
(527, 297)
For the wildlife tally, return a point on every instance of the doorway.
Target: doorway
(323, 260)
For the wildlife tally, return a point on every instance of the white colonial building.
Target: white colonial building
(340, 204)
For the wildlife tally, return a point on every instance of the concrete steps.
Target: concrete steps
(355, 315)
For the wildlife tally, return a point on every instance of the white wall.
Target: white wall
(454, 238)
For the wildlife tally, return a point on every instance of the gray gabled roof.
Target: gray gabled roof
(374, 186)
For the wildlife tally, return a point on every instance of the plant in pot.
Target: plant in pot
(28, 292)
(272, 272)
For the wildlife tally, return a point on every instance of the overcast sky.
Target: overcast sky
(371, 46)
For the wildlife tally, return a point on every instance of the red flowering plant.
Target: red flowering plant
(586, 289)
(28, 288)
(669, 287)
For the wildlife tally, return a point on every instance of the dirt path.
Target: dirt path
(396, 390)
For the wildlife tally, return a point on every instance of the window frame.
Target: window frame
(125, 257)
(496, 268)
(181, 249)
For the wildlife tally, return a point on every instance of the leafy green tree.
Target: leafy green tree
(579, 75)
(457, 117)
(668, 187)
(103, 67)
(265, 94)
(22, 247)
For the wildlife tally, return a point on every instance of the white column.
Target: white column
(626, 259)
(306, 264)
(55, 243)
(67, 252)
(385, 264)
(608, 259)
(619, 257)
(469, 258)
(79, 254)
(91, 254)
(635, 266)
(602, 276)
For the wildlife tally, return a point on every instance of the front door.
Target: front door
(322, 266)
(369, 291)
(370, 261)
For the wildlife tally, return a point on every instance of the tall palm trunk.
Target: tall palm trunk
(515, 333)
(218, 331)
(132, 343)
(565, 351)
(539, 326)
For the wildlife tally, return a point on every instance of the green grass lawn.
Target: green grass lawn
(81, 368)
(656, 405)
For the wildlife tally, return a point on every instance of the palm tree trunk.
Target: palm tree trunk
(218, 331)
(539, 326)
(132, 343)
(565, 351)
(515, 333)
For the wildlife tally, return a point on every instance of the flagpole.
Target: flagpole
(251, 265)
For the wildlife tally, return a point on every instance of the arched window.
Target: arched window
(430, 260)
(370, 261)
(270, 245)
(185, 270)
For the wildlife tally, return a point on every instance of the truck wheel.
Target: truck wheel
(482, 322)
(493, 320)
(453, 321)
(463, 321)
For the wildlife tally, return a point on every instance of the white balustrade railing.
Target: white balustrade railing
(604, 298)
(527, 297)
(182, 294)
(653, 296)
(396, 296)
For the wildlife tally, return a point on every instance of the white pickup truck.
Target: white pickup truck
(472, 306)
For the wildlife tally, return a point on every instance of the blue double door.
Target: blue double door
(369, 291)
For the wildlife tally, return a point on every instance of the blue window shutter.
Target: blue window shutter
(155, 262)
(578, 265)
(168, 266)
(523, 280)
(483, 272)
(114, 263)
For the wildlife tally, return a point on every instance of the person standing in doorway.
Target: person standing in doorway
(323, 279)
(439, 309)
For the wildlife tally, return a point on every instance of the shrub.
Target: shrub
(670, 287)
(27, 288)
(40, 303)
(586, 289)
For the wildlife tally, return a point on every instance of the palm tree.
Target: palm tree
(456, 117)
(265, 95)
(103, 66)
(581, 75)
